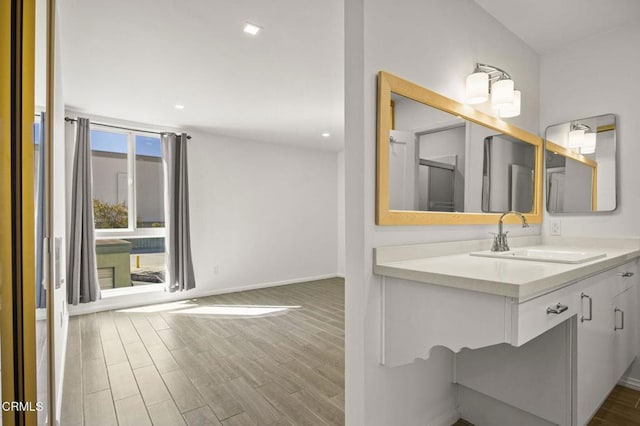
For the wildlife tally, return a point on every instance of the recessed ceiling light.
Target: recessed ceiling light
(178, 106)
(251, 29)
(326, 134)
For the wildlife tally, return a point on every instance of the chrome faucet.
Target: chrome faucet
(500, 240)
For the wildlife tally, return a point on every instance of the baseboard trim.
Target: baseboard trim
(630, 382)
(446, 419)
(126, 301)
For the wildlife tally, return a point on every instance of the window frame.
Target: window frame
(132, 231)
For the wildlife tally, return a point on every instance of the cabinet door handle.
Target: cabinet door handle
(626, 274)
(557, 309)
(583, 318)
(615, 326)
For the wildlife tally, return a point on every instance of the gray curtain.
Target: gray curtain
(82, 280)
(180, 274)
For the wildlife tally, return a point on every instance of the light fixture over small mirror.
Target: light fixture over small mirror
(581, 166)
(490, 80)
(582, 138)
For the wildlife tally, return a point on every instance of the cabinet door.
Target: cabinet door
(595, 339)
(625, 319)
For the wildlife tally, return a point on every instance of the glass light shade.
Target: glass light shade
(251, 29)
(512, 109)
(589, 144)
(477, 90)
(576, 138)
(502, 92)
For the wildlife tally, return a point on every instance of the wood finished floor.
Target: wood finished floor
(186, 365)
(622, 408)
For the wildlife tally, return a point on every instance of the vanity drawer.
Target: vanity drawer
(533, 317)
(623, 277)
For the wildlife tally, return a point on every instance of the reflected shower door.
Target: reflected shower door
(436, 186)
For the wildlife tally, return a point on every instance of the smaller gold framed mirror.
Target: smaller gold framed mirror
(581, 166)
(440, 162)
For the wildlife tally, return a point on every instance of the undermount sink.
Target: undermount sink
(543, 255)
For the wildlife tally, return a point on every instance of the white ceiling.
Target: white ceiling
(547, 25)
(135, 60)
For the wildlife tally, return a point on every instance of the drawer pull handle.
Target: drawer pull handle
(557, 309)
(583, 318)
(626, 274)
(615, 325)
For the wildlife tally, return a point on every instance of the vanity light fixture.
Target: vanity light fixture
(487, 79)
(589, 145)
(577, 135)
(512, 109)
(576, 138)
(326, 134)
(250, 28)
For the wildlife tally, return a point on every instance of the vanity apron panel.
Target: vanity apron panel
(417, 317)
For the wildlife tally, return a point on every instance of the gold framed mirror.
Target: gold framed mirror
(581, 166)
(440, 162)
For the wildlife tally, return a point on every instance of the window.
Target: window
(110, 163)
(128, 207)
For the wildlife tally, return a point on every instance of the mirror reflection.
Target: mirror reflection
(439, 162)
(432, 165)
(507, 174)
(581, 165)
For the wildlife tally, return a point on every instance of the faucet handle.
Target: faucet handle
(503, 242)
(496, 242)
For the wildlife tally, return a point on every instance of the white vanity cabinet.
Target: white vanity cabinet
(625, 326)
(606, 336)
(603, 307)
(547, 339)
(594, 363)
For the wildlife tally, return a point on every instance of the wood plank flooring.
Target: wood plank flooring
(272, 356)
(622, 408)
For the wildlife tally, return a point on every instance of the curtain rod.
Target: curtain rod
(73, 120)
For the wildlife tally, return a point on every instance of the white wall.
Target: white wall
(434, 44)
(341, 214)
(573, 88)
(61, 315)
(577, 186)
(261, 214)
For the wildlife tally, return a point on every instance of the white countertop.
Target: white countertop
(449, 264)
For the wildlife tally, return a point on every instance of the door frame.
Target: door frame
(17, 246)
